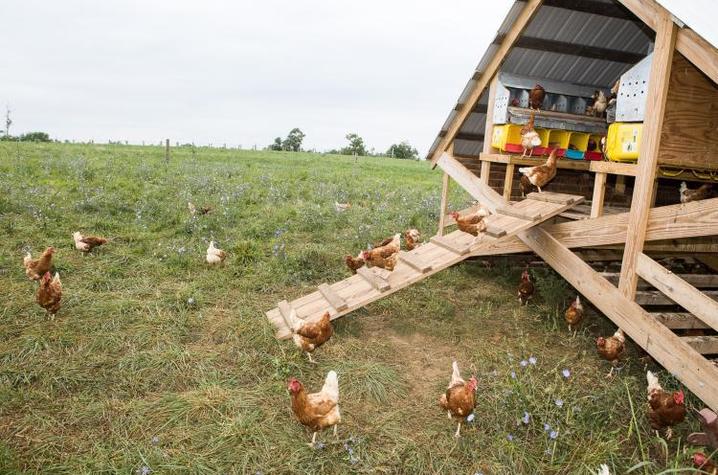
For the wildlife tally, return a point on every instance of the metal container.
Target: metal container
(631, 100)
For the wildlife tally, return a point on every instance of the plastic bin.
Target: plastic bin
(577, 143)
(557, 139)
(623, 141)
(507, 138)
(595, 154)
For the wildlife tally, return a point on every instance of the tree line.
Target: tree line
(355, 146)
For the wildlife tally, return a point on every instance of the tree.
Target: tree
(34, 137)
(403, 150)
(277, 145)
(293, 142)
(8, 121)
(356, 145)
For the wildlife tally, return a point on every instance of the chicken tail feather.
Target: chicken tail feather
(525, 170)
(653, 384)
(331, 386)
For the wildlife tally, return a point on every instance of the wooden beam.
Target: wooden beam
(415, 261)
(585, 51)
(657, 298)
(621, 184)
(550, 197)
(699, 218)
(485, 172)
(469, 182)
(697, 50)
(510, 211)
(611, 168)
(489, 124)
(705, 345)
(508, 181)
(446, 244)
(699, 281)
(679, 321)
(374, 280)
(442, 206)
(698, 374)
(648, 160)
(678, 290)
(480, 84)
(599, 192)
(333, 298)
(285, 310)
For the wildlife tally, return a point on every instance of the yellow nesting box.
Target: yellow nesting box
(507, 137)
(623, 141)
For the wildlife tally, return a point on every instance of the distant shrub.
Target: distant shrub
(34, 137)
(403, 150)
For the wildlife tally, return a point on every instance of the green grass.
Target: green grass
(157, 360)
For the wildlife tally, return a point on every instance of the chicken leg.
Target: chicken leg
(314, 440)
(311, 360)
(336, 435)
(458, 431)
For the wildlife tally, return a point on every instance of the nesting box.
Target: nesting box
(623, 141)
(577, 143)
(596, 153)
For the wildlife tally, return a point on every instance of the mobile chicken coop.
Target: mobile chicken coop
(623, 198)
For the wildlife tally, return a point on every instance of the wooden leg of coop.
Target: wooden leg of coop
(444, 198)
(508, 181)
(485, 171)
(599, 191)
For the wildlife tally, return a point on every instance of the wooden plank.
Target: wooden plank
(680, 291)
(697, 50)
(469, 182)
(374, 280)
(648, 160)
(599, 191)
(699, 281)
(486, 76)
(688, 138)
(508, 181)
(447, 244)
(510, 211)
(495, 232)
(698, 374)
(485, 172)
(657, 298)
(415, 261)
(679, 321)
(611, 168)
(442, 206)
(285, 310)
(705, 345)
(333, 298)
(620, 187)
(489, 126)
(549, 197)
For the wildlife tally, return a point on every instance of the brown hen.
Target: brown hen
(49, 293)
(460, 397)
(664, 409)
(36, 268)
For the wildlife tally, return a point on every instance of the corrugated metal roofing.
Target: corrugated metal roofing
(625, 35)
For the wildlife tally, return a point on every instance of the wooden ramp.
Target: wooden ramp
(439, 253)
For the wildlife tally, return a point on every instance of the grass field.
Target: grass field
(157, 362)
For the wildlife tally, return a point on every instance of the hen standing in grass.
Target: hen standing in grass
(193, 210)
(611, 349)
(412, 239)
(526, 288)
(214, 255)
(536, 97)
(49, 294)
(574, 313)
(36, 268)
(317, 411)
(542, 174)
(87, 243)
(460, 398)
(308, 336)
(664, 409)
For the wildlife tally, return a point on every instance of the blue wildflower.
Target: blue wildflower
(190, 301)
(546, 427)
(510, 437)
(470, 417)
(155, 440)
(524, 363)
(320, 445)
(559, 402)
(566, 373)
(532, 360)
(553, 434)
(526, 418)
(144, 470)
(513, 375)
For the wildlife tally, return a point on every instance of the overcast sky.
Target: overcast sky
(240, 72)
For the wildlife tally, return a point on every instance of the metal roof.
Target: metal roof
(620, 31)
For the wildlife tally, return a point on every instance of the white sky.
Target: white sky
(240, 72)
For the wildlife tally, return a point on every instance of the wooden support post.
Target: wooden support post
(599, 191)
(442, 207)
(648, 159)
(620, 185)
(508, 181)
(654, 193)
(489, 127)
(167, 150)
(485, 172)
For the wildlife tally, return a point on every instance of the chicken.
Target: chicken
(460, 397)
(591, 146)
(529, 137)
(600, 103)
(193, 210)
(664, 409)
(536, 97)
(603, 470)
(611, 349)
(704, 464)
(542, 174)
(341, 207)
(709, 424)
(574, 313)
(87, 243)
(49, 293)
(526, 288)
(214, 255)
(385, 256)
(525, 185)
(472, 223)
(317, 411)
(614, 92)
(700, 193)
(36, 268)
(308, 336)
(354, 263)
(412, 239)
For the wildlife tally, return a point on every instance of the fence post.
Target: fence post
(167, 150)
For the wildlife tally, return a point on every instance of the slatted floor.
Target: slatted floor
(439, 253)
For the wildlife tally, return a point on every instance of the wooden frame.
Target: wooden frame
(650, 143)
